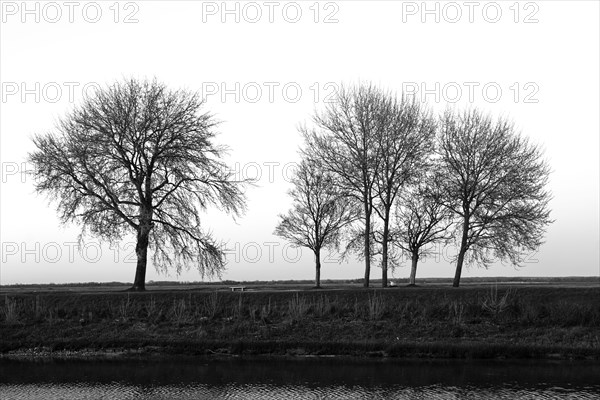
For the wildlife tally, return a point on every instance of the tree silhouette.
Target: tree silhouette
(421, 220)
(345, 142)
(495, 182)
(137, 157)
(404, 147)
(318, 214)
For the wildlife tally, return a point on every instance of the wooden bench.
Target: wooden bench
(240, 288)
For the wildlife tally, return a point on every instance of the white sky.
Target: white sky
(552, 59)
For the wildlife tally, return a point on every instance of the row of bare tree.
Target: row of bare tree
(382, 175)
(378, 173)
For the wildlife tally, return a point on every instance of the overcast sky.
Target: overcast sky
(264, 67)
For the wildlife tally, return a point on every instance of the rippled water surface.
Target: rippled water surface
(305, 379)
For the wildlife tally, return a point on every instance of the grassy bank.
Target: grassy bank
(475, 321)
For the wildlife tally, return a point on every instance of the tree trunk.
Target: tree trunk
(459, 264)
(413, 268)
(461, 253)
(384, 256)
(367, 246)
(318, 269)
(141, 250)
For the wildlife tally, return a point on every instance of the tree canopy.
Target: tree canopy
(495, 182)
(138, 157)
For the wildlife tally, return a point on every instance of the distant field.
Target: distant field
(573, 281)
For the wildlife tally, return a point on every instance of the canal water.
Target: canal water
(298, 379)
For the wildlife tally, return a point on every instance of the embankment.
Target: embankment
(441, 322)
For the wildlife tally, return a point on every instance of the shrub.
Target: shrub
(38, 307)
(322, 306)
(150, 308)
(179, 311)
(211, 305)
(375, 307)
(238, 308)
(297, 307)
(494, 304)
(265, 311)
(11, 311)
(124, 309)
(456, 311)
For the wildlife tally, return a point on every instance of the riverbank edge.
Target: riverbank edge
(430, 323)
(69, 350)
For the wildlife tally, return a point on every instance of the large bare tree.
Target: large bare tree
(495, 182)
(319, 212)
(345, 142)
(404, 145)
(137, 157)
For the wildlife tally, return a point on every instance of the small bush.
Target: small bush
(211, 305)
(265, 311)
(38, 308)
(253, 312)
(494, 304)
(124, 309)
(238, 308)
(297, 308)
(179, 311)
(456, 310)
(150, 308)
(528, 313)
(322, 306)
(11, 311)
(375, 307)
(408, 312)
(50, 315)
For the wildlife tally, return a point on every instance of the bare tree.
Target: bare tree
(318, 214)
(421, 220)
(139, 158)
(495, 181)
(345, 142)
(404, 147)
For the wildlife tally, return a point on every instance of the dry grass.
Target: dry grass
(488, 315)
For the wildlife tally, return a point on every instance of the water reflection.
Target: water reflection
(309, 379)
